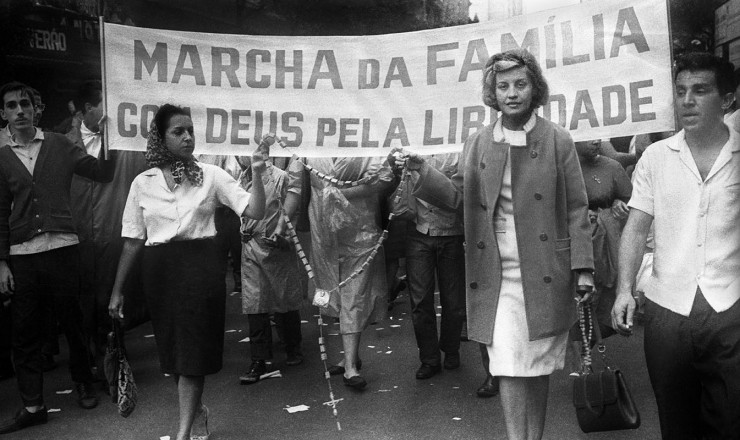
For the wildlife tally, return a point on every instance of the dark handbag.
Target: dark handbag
(118, 373)
(402, 203)
(602, 399)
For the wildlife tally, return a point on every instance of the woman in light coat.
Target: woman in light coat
(527, 232)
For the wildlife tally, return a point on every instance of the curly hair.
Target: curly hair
(515, 58)
(723, 70)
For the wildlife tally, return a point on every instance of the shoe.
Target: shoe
(452, 361)
(489, 388)
(426, 371)
(202, 414)
(294, 359)
(48, 363)
(336, 370)
(257, 369)
(86, 396)
(356, 382)
(24, 419)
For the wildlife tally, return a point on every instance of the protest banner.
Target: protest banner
(607, 62)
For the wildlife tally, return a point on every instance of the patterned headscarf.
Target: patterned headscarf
(158, 155)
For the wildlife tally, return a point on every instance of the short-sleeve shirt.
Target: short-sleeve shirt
(696, 223)
(158, 215)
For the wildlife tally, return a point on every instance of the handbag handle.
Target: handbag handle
(118, 337)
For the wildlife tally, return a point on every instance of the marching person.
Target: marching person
(273, 281)
(39, 257)
(169, 218)
(527, 233)
(688, 188)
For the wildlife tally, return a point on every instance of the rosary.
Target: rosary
(321, 297)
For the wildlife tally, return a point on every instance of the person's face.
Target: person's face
(179, 136)
(18, 110)
(588, 150)
(92, 116)
(514, 93)
(699, 104)
(39, 109)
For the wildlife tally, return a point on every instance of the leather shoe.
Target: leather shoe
(426, 371)
(24, 419)
(86, 396)
(257, 369)
(356, 382)
(452, 361)
(489, 388)
(336, 370)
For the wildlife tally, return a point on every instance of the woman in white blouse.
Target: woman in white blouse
(169, 216)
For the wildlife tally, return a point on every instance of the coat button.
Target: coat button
(543, 237)
(484, 206)
(537, 196)
(481, 245)
(547, 280)
(533, 154)
(473, 285)
(482, 165)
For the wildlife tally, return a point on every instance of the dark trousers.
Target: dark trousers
(260, 333)
(40, 279)
(694, 368)
(5, 339)
(425, 256)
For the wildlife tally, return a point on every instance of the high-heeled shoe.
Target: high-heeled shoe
(336, 370)
(203, 413)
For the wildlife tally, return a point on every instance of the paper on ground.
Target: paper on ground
(293, 409)
(64, 392)
(245, 339)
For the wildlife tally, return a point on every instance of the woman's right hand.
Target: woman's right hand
(115, 306)
(262, 153)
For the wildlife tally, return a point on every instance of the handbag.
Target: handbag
(602, 399)
(121, 384)
(402, 203)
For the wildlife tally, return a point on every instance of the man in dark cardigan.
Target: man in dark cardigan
(39, 260)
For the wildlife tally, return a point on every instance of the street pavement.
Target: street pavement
(394, 406)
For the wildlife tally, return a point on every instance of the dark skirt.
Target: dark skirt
(184, 284)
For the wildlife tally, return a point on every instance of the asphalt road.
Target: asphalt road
(394, 406)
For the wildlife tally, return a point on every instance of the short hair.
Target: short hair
(90, 91)
(164, 114)
(723, 70)
(517, 58)
(15, 86)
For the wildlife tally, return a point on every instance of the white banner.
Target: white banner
(607, 63)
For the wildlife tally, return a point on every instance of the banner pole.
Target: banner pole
(104, 91)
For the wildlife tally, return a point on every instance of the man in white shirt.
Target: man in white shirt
(688, 187)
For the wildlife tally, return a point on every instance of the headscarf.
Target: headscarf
(157, 155)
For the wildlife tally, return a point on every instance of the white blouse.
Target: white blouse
(158, 215)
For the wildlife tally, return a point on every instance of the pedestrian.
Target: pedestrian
(527, 233)
(435, 258)
(97, 209)
(273, 281)
(687, 187)
(169, 219)
(344, 233)
(39, 258)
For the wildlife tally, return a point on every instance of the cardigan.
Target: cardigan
(39, 203)
(551, 214)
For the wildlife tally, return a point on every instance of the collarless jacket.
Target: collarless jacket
(553, 232)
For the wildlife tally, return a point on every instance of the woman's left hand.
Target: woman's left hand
(585, 286)
(262, 153)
